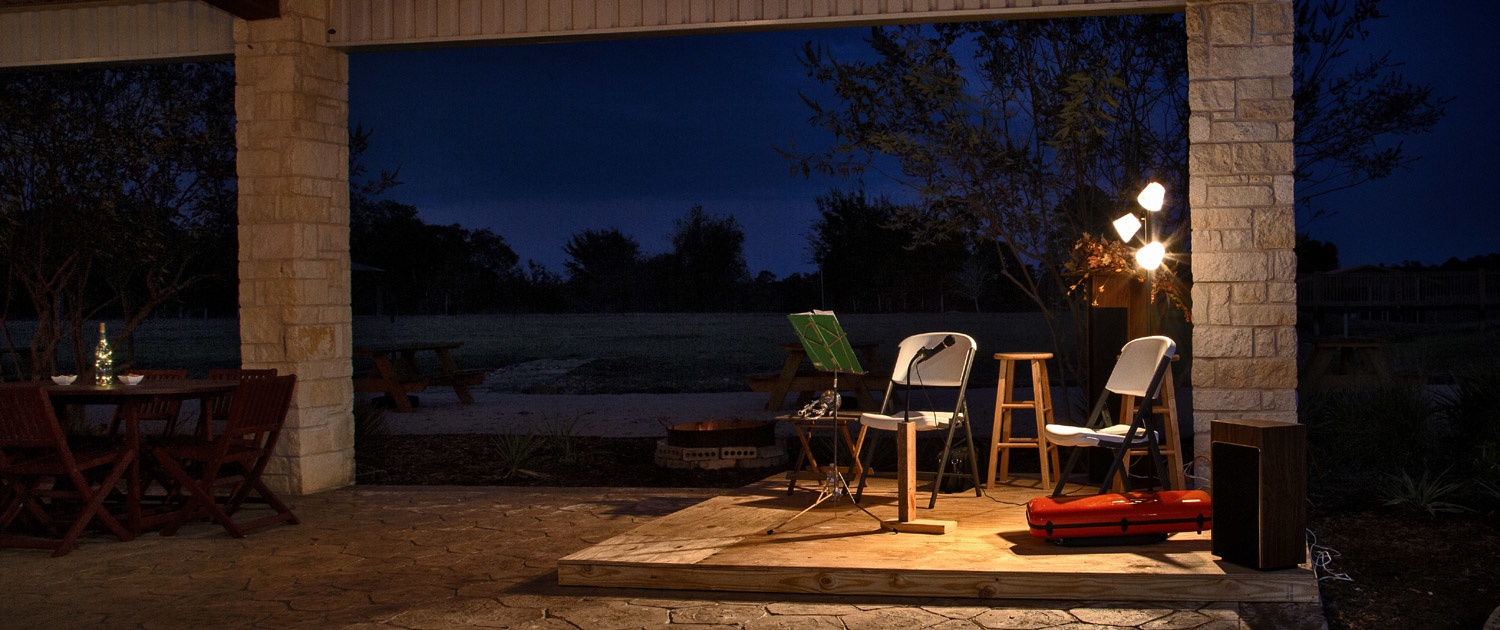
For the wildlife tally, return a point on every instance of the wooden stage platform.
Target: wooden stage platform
(722, 545)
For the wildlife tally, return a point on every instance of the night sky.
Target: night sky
(539, 142)
(1443, 207)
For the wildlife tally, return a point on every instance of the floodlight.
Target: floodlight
(1151, 255)
(1127, 226)
(1152, 197)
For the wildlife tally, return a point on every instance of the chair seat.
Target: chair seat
(925, 420)
(1069, 435)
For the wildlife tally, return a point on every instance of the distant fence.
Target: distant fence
(1416, 297)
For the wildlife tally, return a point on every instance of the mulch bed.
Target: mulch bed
(1410, 570)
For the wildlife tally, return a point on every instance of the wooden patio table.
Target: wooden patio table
(130, 399)
(396, 372)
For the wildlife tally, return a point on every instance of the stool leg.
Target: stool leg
(1000, 430)
(1041, 396)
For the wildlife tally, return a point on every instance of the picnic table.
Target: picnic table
(395, 371)
(1345, 362)
(793, 378)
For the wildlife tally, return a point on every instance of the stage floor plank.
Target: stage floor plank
(722, 545)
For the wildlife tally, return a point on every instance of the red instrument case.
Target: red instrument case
(1112, 515)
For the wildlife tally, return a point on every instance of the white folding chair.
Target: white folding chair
(1138, 373)
(929, 360)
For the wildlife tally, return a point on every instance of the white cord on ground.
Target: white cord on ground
(1322, 559)
(1204, 481)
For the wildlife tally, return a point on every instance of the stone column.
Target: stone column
(291, 104)
(1240, 196)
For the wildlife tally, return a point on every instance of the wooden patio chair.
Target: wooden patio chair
(218, 410)
(214, 478)
(33, 451)
(164, 411)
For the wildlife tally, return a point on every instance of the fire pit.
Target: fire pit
(715, 444)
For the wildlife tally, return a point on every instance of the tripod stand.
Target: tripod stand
(828, 348)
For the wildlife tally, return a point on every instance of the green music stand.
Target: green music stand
(828, 348)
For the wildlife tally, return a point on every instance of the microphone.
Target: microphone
(927, 352)
(923, 354)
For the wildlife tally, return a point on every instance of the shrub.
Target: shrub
(1426, 494)
(1472, 411)
(513, 450)
(1354, 433)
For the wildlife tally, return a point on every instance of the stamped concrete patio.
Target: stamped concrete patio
(410, 557)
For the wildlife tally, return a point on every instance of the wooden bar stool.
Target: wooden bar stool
(1001, 440)
(1171, 444)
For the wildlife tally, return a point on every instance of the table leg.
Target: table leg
(387, 374)
(450, 371)
(133, 474)
(784, 382)
(856, 468)
(803, 430)
(406, 364)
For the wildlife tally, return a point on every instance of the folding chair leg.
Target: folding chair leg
(93, 508)
(937, 483)
(1062, 479)
(282, 512)
(198, 501)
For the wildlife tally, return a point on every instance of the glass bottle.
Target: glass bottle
(104, 361)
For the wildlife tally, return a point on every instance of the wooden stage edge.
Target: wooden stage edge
(722, 544)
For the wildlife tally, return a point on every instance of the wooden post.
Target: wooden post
(906, 488)
(906, 473)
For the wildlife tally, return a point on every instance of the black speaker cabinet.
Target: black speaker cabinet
(1260, 492)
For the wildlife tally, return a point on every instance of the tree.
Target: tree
(707, 262)
(117, 193)
(1314, 256)
(1053, 123)
(436, 268)
(870, 262)
(603, 268)
(854, 244)
(1350, 113)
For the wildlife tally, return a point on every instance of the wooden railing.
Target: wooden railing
(1400, 289)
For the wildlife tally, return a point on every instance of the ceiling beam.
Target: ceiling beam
(249, 9)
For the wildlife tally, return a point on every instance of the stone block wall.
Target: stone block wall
(1241, 211)
(291, 102)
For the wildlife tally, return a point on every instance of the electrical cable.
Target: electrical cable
(1322, 560)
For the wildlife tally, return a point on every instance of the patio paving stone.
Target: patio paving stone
(447, 557)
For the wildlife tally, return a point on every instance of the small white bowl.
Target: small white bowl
(65, 379)
(131, 379)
